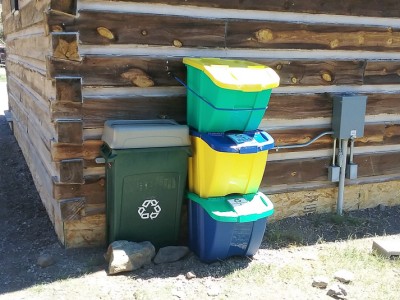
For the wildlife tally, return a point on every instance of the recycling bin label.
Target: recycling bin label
(150, 209)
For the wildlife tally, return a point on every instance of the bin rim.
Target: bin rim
(235, 74)
(220, 210)
(226, 142)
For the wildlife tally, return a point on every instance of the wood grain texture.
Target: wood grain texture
(32, 78)
(72, 209)
(34, 46)
(68, 89)
(291, 107)
(69, 131)
(101, 70)
(29, 14)
(63, 151)
(65, 110)
(323, 200)
(66, 6)
(41, 177)
(88, 231)
(146, 29)
(382, 72)
(71, 171)
(92, 190)
(384, 8)
(191, 32)
(88, 150)
(97, 111)
(65, 46)
(309, 170)
(279, 35)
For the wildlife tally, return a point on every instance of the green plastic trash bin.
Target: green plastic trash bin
(146, 171)
(226, 94)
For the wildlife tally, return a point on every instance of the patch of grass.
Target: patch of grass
(322, 219)
(258, 272)
(345, 219)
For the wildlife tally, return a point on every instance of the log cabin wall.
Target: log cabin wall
(101, 60)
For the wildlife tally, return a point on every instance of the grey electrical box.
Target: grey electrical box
(348, 116)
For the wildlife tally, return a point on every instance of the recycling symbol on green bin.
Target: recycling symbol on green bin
(150, 209)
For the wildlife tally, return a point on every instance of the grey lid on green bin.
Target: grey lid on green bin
(236, 208)
(128, 134)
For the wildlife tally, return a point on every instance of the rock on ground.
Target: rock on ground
(124, 256)
(46, 260)
(344, 276)
(337, 291)
(171, 254)
(320, 282)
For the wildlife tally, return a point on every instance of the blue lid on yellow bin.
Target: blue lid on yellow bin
(239, 75)
(236, 208)
(237, 142)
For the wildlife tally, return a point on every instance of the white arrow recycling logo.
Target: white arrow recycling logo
(152, 212)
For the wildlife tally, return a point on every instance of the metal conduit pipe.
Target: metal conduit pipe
(305, 144)
(339, 206)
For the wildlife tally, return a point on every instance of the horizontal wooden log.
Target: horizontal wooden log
(258, 34)
(92, 190)
(103, 71)
(192, 32)
(62, 151)
(378, 72)
(146, 29)
(291, 107)
(34, 106)
(309, 170)
(28, 14)
(65, 110)
(35, 47)
(385, 8)
(89, 231)
(34, 130)
(56, 20)
(97, 111)
(323, 200)
(374, 135)
(32, 78)
(88, 150)
(66, 6)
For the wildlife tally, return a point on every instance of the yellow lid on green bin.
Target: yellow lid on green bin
(236, 74)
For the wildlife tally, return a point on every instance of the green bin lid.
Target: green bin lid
(238, 75)
(236, 208)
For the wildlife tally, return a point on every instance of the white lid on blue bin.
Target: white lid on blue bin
(237, 142)
(128, 134)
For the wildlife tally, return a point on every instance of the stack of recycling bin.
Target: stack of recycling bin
(226, 101)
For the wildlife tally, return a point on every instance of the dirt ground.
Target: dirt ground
(26, 233)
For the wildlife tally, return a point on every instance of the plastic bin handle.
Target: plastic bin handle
(268, 202)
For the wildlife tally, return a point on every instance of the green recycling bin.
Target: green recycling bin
(146, 171)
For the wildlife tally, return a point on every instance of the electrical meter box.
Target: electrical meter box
(348, 116)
